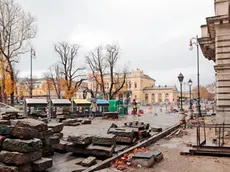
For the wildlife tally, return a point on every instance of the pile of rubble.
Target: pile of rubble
(98, 146)
(21, 146)
(76, 122)
(130, 132)
(11, 115)
(62, 114)
(139, 157)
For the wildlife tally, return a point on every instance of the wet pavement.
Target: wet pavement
(67, 162)
(100, 126)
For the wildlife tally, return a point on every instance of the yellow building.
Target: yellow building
(141, 87)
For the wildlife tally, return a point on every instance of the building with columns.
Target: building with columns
(141, 87)
(215, 45)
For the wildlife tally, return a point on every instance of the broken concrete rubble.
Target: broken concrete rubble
(24, 132)
(106, 139)
(89, 161)
(22, 145)
(32, 123)
(56, 127)
(84, 139)
(42, 164)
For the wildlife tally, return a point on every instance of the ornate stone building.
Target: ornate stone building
(215, 45)
(141, 87)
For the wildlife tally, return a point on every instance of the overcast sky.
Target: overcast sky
(153, 34)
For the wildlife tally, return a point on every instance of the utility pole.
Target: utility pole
(31, 77)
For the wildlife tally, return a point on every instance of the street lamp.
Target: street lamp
(190, 92)
(181, 78)
(194, 41)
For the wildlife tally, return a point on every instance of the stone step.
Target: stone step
(57, 127)
(17, 158)
(42, 164)
(106, 139)
(22, 145)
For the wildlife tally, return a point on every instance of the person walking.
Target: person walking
(134, 104)
(93, 109)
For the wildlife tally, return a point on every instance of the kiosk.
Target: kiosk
(81, 107)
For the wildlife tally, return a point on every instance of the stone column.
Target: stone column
(222, 43)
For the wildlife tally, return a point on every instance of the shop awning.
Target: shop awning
(57, 102)
(102, 102)
(81, 101)
(36, 101)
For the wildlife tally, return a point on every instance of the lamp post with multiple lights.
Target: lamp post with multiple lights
(194, 41)
(182, 113)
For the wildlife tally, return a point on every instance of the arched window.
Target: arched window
(166, 96)
(146, 97)
(130, 85)
(135, 85)
(159, 97)
(153, 98)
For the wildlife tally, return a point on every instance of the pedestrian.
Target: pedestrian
(93, 109)
(134, 104)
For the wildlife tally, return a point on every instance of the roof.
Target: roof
(61, 101)
(160, 88)
(102, 102)
(36, 101)
(81, 101)
(148, 77)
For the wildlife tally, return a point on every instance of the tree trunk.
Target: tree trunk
(12, 86)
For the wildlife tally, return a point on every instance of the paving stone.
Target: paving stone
(47, 133)
(32, 123)
(42, 164)
(24, 133)
(106, 139)
(22, 145)
(47, 150)
(77, 149)
(73, 124)
(86, 121)
(157, 130)
(89, 161)
(5, 122)
(100, 151)
(145, 159)
(5, 168)
(59, 135)
(84, 139)
(120, 139)
(57, 127)
(60, 147)
(17, 158)
(125, 132)
(25, 168)
(69, 121)
(52, 140)
(5, 130)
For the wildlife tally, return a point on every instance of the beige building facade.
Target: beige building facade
(215, 45)
(141, 87)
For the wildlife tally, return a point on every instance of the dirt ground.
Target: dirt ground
(174, 162)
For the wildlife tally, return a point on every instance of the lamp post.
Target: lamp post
(181, 78)
(190, 93)
(194, 41)
(182, 114)
(190, 112)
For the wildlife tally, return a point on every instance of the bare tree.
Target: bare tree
(117, 80)
(73, 76)
(97, 64)
(17, 28)
(27, 83)
(55, 77)
(104, 64)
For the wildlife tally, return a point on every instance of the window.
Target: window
(166, 96)
(146, 97)
(135, 85)
(153, 98)
(130, 85)
(159, 97)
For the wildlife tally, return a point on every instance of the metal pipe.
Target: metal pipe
(31, 77)
(181, 103)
